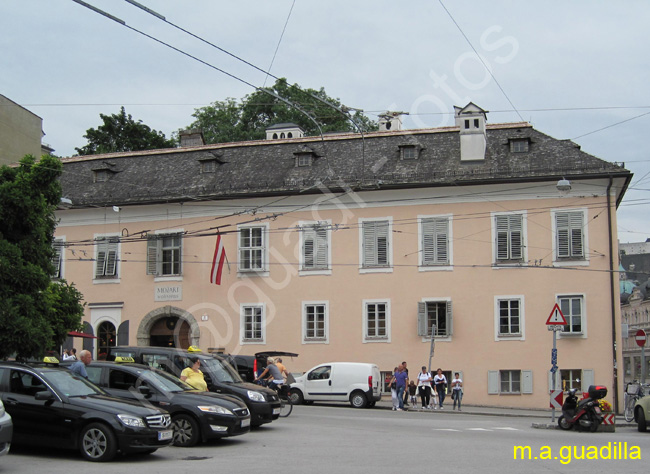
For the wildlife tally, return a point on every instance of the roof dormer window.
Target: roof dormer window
(209, 166)
(303, 159)
(409, 152)
(519, 145)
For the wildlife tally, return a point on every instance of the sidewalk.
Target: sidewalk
(543, 417)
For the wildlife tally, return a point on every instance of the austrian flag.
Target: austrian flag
(217, 262)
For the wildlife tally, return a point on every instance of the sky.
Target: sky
(575, 70)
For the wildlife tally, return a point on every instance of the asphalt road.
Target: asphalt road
(325, 439)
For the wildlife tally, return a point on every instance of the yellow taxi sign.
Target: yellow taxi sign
(50, 360)
(124, 359)
(193, 349)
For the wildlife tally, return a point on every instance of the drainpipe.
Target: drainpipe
(612, 268)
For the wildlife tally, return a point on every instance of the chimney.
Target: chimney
(282, 131)
(471, 121)
(390, 121)
(191, 138)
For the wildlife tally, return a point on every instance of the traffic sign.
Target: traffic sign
(556, 399)
(556, 318)
(640, 338)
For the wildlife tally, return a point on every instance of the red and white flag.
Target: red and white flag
(217, 262)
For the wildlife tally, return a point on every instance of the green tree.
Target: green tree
(230, 121)
(121, 133)
(36, 312)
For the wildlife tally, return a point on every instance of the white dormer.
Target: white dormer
(390, 121)
(283, 131)
(471, 121)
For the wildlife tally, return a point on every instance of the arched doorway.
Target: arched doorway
(106, 337)
(169, 326)
(170, 332)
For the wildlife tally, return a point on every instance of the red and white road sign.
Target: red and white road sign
(557, 397)
(556, 318)
(609, 419)
(640, 337)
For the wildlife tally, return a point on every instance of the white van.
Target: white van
(356, 382)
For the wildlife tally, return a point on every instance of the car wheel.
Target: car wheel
(563, 424)
(642, 426)
(97, 443)
(186, 431)
(358, 400)
(296, 397)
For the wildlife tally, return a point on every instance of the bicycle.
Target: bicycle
(286, 405)
(633, 391)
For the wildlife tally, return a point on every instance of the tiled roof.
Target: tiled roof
(268, 167)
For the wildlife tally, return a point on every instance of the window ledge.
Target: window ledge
(104, 281)
(168, 278)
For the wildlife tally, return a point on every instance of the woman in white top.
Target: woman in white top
(457, 390)
(424, 387)
(440, 381)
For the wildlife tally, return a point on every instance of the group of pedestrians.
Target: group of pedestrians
(432, 389)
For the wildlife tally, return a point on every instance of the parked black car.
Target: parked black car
(51, 406)
(263, 403)
(249, 365)
(196, 416)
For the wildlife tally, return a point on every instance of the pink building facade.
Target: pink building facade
(350, 248)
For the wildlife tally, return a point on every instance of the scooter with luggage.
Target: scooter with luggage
(584, 414)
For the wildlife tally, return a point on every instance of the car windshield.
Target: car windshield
(164, 382)
(71, 385)
(221, 369)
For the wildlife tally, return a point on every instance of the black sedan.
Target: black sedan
(51, 406)
(196, 416)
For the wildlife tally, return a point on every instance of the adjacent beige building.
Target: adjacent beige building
(20, 132)
(352, 248)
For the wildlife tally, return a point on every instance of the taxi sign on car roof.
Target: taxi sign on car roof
(124, 359)
(193, 349)
(50, 360)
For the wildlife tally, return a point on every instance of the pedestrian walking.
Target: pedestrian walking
(392, 383)
(413, 390)
(457, 390)
(401, 379)
(440, 382)
(406, 395)
(424, 387)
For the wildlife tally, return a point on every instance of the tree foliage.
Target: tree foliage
(36, 313)
(230, 121)
(121, 133)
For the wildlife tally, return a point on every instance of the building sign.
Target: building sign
(168, 293)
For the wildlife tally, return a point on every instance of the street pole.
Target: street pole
(433, 344)
(553, 370)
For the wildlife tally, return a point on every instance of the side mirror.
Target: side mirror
(44, 395)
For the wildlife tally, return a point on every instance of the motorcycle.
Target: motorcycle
(584, 414)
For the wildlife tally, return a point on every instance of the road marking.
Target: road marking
(477, 429)
(444, 429)
(507, 428)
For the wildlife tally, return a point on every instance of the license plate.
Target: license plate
(163, 435)
(276, 411)
(597, 410)
(245, 423)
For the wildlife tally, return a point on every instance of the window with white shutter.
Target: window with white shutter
(375, 244)
(569, 234)
(435, 241)
(107, 257)
(509, 238)
(164, 254)
(58, 246)
(315, 247)
(435, 313)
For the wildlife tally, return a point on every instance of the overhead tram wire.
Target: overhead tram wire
(481, 60)
(344, 112)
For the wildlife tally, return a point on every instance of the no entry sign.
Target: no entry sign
(640, 338)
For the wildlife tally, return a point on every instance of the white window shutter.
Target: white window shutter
(576, 234)
(423, 330)
(152, 256)
(369, 244)
(57, 248)
(502, 237)
(100, 264)
(450, 319)
(516, 240)
(442, 241)
(321, 260)
(308, 247)
(587, 379)
(111, 258)
(526, 381)
(493, 382)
